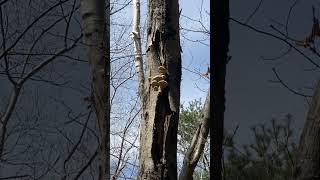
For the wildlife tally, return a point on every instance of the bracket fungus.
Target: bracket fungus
(158, 82)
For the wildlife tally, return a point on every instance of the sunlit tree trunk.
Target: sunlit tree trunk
(135, 34)
(160, 111)
(95, 17)
(197, 145)
(308, 159)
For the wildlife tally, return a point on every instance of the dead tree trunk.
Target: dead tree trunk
(308, 159)
(95, 17)
(135, 34)
(220, 54)
(197, 144)
(161, 95)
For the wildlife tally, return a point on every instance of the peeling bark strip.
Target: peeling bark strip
(135, 34)
(96, 32)
(158, 141)
(308, 160)
(197, 144)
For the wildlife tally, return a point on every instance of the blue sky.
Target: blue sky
(195, 56)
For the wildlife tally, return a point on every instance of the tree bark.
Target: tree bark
(158, 137)
(308, 159)
(197, 144)
(220, 44)
(135, 34)
(95, 17)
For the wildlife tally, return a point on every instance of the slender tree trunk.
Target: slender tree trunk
(197, 145)
(96, 31)
(308, 159)
(220, 55)
(158, 137)
(135, 34)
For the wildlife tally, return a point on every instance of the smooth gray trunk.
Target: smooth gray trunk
(95, 21)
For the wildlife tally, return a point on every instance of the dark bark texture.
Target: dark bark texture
(219, 55)
(158, 137)
(308, 159)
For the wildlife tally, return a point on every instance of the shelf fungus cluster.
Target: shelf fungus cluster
(158, 82)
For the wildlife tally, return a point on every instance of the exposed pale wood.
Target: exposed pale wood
(135, 34)
(158, 140)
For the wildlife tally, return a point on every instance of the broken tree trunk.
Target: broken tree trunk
(161, 96)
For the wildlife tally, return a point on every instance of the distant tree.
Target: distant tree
(270, 156)
(193, 135)
(192, 139)
(190, 119)
(308, 157)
